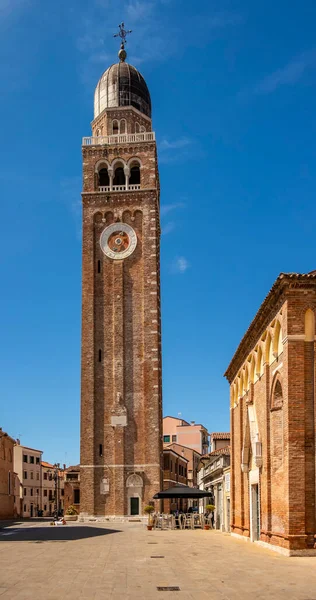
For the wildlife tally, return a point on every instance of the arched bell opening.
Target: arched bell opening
(119, 176)
(104, 179)
(134, 178)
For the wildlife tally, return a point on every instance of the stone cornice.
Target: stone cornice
(282, 287)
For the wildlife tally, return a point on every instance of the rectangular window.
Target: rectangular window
(32, 460)
(99, 266)
(62, 492)
(174, 438)
(37, 492)
(100, 355)
(31, 490)
(100, 450)
(45, 506)
(37, 476)
(24, 507)
(45, 475)
(76, 496)
(166, 439)
(45, 492)
(32, 475)
(37, 460)
(24, 491)
(25, 458)
(24, 474)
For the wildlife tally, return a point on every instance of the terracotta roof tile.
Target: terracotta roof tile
(220, 436)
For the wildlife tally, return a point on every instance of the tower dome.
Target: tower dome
(122, 85)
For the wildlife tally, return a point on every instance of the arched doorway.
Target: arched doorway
(134, 486)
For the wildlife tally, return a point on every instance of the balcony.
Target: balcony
(126, 138)
(119, 188)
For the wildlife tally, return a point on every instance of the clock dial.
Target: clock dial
(118, 241)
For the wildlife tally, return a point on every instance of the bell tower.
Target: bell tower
(121, 399)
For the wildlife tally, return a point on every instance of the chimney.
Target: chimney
(192, 422)
(17, 442)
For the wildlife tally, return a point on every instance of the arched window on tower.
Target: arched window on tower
(115, 127)
(104, 179)
(134, 178)
(122, 126)
(119, 176)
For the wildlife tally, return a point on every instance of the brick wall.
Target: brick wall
(284, 422)
(121, 339)
(6, 477)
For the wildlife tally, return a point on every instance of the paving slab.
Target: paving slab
(114, 561)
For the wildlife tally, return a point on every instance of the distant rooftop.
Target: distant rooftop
(220, 436)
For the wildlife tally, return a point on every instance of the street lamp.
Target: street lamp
(55, 477)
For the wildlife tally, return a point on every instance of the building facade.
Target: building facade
(52, 489)
(193, 459)
(175, 472)
(7, 476)
(273, 408)
(72, 488)
(27, 465)
(219, 440)
(190, 435)
(214, 476)
(121, 402)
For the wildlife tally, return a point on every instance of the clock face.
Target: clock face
(118, 241)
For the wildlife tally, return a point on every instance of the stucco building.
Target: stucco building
(273, 408)
(52, 489)
(214, 476)
(191, 435)
(175, 472)
(27, 464)
(121, 400)
(7, 478)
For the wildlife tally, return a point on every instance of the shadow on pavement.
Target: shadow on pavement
(64, 533)
(19, 521)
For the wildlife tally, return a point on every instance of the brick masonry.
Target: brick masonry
(278, 410)
(121, 335)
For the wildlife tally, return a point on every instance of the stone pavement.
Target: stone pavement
(100, 561)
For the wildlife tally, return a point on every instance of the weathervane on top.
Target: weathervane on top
(122, 34)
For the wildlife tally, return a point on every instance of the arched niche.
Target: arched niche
(309, 325)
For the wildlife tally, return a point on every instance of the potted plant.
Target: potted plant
(209, 508)
(71, 513)
(149, 510)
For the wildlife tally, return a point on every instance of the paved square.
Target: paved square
(90, 561)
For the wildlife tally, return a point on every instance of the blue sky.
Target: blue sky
(233, 91)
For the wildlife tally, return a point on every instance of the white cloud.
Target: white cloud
(180, 265)
(138, 10)
(174, 144)
(166, 208)
(71, 195)
(287, 75)
(167, 228)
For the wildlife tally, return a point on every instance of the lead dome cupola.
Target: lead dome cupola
(122, 85)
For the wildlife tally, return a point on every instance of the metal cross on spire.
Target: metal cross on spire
(122, 34)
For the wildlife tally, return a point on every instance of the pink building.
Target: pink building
(219, 440)
(181, 432)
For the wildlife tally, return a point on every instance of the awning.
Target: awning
(181, 491)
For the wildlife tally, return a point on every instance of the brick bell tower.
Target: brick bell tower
(121, 399)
